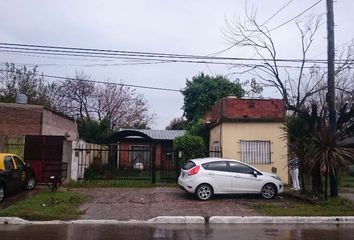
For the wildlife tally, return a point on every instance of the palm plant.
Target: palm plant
(326, 154)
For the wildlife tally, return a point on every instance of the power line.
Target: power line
(231, 64)
(270, 30)
(104, 82)
(277, 12)
(131, 55)
(270, 18)
(290, 20)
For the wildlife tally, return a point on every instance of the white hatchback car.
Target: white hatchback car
(205, 177)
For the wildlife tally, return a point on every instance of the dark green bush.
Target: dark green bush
(191, 147)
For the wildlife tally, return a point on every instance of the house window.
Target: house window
(255, 152)
(215, 150)
(140, 154)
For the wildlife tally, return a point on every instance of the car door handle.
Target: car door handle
(236, 177)
(211, 174)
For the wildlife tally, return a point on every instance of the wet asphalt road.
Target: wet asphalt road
(177, 232)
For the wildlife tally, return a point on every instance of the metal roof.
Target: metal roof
(159, 134)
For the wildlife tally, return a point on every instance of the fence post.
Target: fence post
(153, 162)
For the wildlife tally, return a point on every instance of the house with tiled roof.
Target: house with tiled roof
(250, 130)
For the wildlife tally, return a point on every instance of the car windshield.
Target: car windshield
(188, 165)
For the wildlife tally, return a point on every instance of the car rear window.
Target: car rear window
(188, 165)
(215, 166)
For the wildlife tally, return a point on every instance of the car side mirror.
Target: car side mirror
(255, 174)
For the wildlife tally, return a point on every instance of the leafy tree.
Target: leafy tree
(203, 91)
(94, 131)
(15, 80)
(178, 123)
(297, 131)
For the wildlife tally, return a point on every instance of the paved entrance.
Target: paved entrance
(146, 203)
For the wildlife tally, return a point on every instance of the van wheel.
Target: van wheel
(2, 193)
(204, 192)
(268, 191)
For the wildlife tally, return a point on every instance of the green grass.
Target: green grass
(47, 206)
(332, 207)
(116, 183)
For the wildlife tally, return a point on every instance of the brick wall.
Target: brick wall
(231, 108)
(53, 124)
(26, 119)
(17, 119)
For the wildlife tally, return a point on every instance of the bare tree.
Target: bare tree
(75, 97)
(296, 88)
(122, 106)
(118, 104)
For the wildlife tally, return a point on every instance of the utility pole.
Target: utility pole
(330, 84)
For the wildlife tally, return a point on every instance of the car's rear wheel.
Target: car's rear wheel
(204, 192)
(30, 184)
(2, 193)
(269, 191)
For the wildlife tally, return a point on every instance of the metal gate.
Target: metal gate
(44, 153)
(169, 168)
(115, 162)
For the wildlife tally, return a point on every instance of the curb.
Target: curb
(156, 220)
(280, 220)
(193, 220)
(177, 219)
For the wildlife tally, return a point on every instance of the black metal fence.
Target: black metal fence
(129, 163)
(113, 162)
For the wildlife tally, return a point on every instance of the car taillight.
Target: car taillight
(194, 170)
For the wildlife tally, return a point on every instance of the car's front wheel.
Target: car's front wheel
(2, 193)
(30, 184)
(204, 192)
(268, 191)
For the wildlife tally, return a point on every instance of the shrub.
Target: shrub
(191, 147)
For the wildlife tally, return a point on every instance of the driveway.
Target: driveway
(145, 203)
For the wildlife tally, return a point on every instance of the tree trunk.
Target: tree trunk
(333, 184)
(302, 179)
(326, 185)
(316, 180)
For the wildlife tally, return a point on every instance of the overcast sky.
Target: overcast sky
(179, 26)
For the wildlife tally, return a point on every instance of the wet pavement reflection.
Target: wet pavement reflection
(176, 232)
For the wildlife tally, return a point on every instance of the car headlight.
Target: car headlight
(276, 178)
